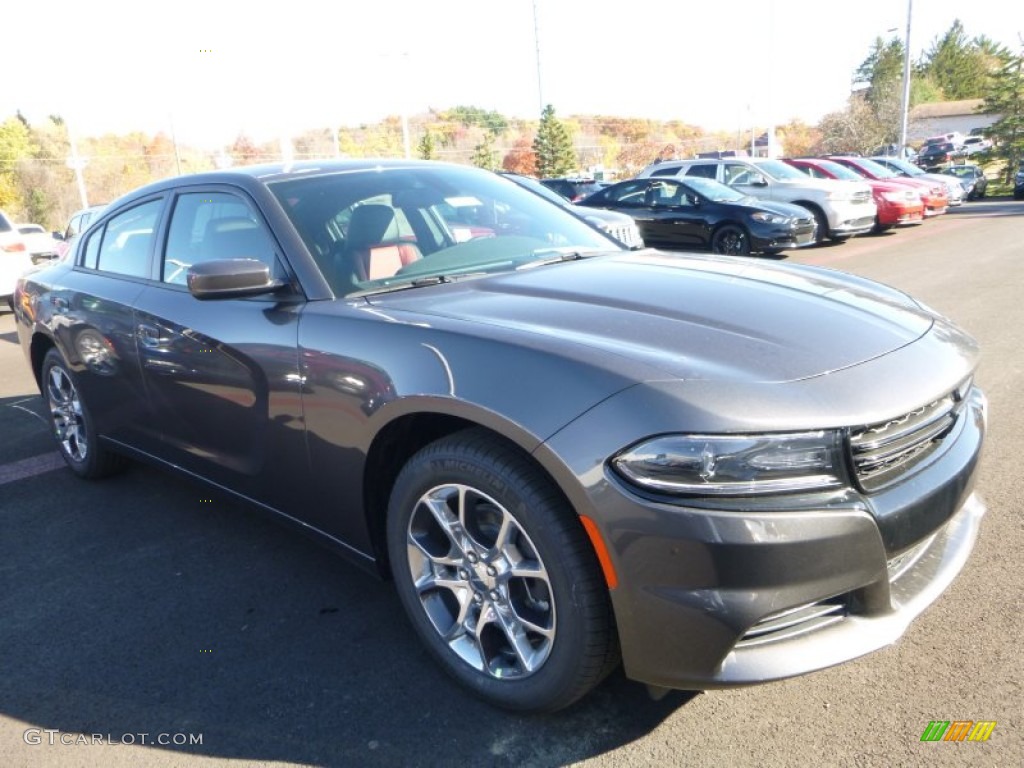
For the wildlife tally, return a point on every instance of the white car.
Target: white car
(41, 244)
(15, 260)
(975, 144)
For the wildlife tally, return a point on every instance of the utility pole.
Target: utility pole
(77, 163)
(536, 43)
(905, 104)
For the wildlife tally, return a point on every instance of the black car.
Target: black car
(1018, 183)
(565, 453)
(703, 213)
(936, 155)
(574, 189)
(972, 178)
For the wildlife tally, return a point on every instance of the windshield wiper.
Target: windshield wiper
(560, 255)
(417, 282)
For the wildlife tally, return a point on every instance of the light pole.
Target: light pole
(905, 104)
(536, 43)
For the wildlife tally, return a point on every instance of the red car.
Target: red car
(897, 205)
(935, 196)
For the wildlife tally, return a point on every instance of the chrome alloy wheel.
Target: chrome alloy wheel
(66, 409)
(481, 582)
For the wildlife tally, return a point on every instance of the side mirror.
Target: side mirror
(57, 236)
(757, 180)
(230, 278)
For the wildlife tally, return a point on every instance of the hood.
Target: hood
(826, 185)
(755, 204)
(690, 316)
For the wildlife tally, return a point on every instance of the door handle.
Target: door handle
(148, 336)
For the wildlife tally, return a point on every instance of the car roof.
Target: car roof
(275, 172)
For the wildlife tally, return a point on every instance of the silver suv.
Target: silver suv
(841, 208)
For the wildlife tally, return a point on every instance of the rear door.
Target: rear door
(94, 324)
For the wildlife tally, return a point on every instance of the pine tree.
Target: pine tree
(553, 147)
(484, 155)
(426, 147)
(1005, 97)
(959, 66)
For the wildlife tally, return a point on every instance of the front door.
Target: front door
(222, 375)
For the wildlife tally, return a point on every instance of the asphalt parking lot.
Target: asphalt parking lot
(149, 612)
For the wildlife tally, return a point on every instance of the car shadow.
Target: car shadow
(144, 604)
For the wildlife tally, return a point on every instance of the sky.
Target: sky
(209, 70)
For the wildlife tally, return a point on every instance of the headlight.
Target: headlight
(718, 465)
(769, 218)
(837, 195)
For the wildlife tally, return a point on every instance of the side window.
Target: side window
(629, 193)
(127, 240)
(704, 171)
(206, 226)
(666, 194)
(811, 171)
(668, 170)
(736, 174)
(92, 250)
(72, 229)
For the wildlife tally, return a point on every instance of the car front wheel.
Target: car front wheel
(72, 425)
(497, 575)
(731, 240)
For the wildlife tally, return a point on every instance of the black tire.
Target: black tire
(561, 614)
(731, 240)
(71, 422)
(821, 231)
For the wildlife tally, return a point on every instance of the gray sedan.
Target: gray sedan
(565, 454)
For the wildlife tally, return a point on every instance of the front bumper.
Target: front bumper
(729, 593)
(898, 214)
(780, 238)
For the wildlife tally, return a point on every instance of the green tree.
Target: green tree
(493, 122)
(426, 147)
(15, 146)
(484, 155)
(1005, 97)
(553, 146)
(959, 66)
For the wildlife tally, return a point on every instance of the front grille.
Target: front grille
(885, 451)
(795, 621)
(627, 235)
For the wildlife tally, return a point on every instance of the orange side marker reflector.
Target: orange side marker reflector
(610, 577)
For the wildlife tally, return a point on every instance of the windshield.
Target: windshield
(399, 227)
(962, 171)
(714, 190)
(780, 170)
(839, 170)
(903, 166)
(877, 170)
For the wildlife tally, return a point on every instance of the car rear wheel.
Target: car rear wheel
(497, 575)
(72, 425)
(731, 240)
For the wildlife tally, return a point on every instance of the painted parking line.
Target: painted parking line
(36, 465)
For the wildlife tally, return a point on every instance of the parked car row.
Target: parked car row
(743, 205)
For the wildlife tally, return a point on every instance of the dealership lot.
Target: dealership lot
(145, 606)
